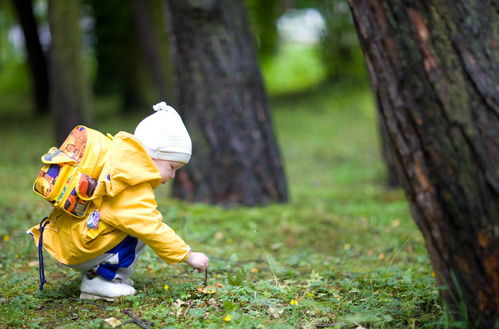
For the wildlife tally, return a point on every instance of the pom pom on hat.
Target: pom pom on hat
(164, 135)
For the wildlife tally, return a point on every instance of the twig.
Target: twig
(205, 282)
(141, 323)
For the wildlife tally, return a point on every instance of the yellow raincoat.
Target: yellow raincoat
(125, 200)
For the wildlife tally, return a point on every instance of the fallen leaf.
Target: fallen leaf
(219, 285)
(33, 263)
(113, 322)
(207, 290)
(396, 223)
(275, 312)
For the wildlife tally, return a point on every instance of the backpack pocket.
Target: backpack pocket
(57, 169)
(77, 201)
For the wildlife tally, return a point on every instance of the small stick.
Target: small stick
(205, 282)
(138, 322)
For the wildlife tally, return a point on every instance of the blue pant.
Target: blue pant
(118, 262)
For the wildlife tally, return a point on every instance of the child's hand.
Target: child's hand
(198, 260)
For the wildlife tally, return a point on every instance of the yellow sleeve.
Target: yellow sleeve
(134, 211)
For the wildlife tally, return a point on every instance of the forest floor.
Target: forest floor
(342, 253)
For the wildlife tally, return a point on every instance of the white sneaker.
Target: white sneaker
(128, 282)
(99, 288)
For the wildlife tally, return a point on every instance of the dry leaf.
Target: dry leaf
(206, 290)
(113, 322)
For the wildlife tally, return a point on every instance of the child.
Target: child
(123, 217)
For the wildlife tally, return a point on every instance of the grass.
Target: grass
(342, 253)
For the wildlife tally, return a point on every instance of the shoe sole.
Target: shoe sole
(95, 297)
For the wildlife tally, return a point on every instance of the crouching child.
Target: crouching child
(100, 225)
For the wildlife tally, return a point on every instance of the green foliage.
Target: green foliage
(340, 49)
(343, 252)
(295, 67)
(263, 18)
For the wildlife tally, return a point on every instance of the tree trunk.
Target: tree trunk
(69, 92)
(220, 91)
(264, 15)
(117, 51)
(387, 155)
(149, 43)
(434, 66)
(36, 58)
(339, 47)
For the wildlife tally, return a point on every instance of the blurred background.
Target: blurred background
(300, 48)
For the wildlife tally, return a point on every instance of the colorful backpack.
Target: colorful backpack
(69, 175)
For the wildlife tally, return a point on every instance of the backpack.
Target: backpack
(68, 177)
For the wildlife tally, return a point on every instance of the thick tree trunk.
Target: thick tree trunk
(388, 157)
(434, 66)
(36, 58)
(69, 92)
(220, 93)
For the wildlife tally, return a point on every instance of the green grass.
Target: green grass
(342, 252)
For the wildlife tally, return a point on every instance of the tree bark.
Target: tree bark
(69, 92)
(220, 93)
(387, 154)
(36, 58)
(434, 66)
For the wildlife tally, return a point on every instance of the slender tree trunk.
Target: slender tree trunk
(117, 51)
(69, 92)
(148, 41)
(264, 15)
(220, 92)
(36, 58)
(434, 66)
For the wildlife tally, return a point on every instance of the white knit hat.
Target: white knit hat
(164, 136)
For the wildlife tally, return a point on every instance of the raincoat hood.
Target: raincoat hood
(127, 164)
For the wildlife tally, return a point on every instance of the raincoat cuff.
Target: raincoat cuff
(187, 254)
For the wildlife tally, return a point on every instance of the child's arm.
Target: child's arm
(197, 260)
(134, 211)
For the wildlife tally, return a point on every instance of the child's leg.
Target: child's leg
(121, 260)
(124, 273)
(117, 263)
(108, 275)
